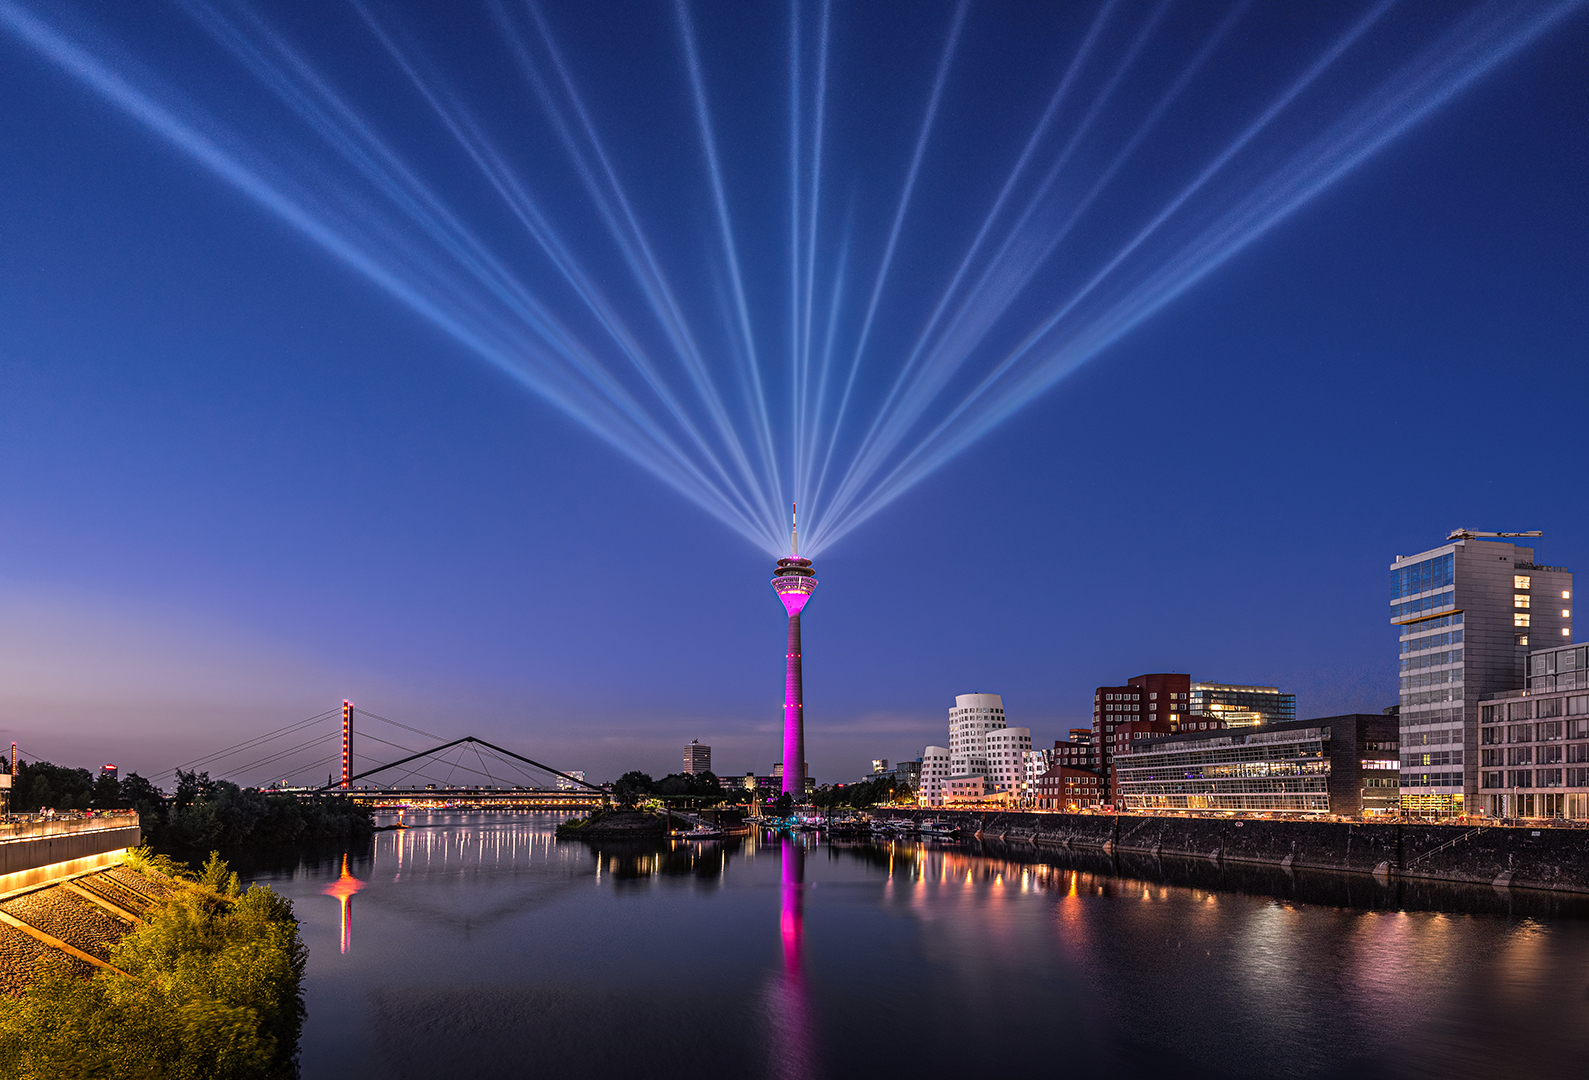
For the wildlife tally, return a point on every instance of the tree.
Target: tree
(39, 784)
(632, 785)
(107, 792)
(141, 795)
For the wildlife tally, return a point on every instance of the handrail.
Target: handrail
(1436, 850)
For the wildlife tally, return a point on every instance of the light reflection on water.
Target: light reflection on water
(487, 948)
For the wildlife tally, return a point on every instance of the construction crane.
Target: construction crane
(1469, 534)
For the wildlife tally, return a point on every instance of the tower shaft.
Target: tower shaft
(794, 721)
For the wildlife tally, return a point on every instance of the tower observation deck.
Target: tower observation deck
(794, 582)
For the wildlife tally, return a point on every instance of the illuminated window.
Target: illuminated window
(1519, 600)
(1566, 613)
(1519, 619)
(1566, 594)
(1522, 639)
(1521, 581)
(1566, 632)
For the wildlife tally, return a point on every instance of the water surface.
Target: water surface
(479, 946)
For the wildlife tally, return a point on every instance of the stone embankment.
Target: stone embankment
(1543, 858)
(76, 921)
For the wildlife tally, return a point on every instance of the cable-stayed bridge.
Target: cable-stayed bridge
(383, 762)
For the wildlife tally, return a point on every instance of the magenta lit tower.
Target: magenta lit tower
(794, 584)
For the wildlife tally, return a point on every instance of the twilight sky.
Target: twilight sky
(242, 478)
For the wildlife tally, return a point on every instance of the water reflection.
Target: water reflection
(343, 889)
(481, 936)
(788, 1005)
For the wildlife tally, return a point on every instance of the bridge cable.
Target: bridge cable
(246, 745)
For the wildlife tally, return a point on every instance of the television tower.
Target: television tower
(794, 583)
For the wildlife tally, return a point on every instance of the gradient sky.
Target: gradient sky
(238, 483)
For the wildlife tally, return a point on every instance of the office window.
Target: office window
(1521, 581)
(1519, 620)
(1520, 601)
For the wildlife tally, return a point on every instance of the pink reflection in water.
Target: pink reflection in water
(788, 1004)
(343, 889)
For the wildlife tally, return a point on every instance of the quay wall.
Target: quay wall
(1521, 857)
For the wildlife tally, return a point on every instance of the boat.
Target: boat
(941, 830)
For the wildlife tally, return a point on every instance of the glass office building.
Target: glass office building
(1467, 615)
(1334, 765)
(1242, 706)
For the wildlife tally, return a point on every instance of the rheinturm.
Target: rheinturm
(794, 583)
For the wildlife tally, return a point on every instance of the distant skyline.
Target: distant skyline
(241, 483)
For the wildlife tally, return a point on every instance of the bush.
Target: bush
(212, 990)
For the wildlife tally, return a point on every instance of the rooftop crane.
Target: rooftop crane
(1469, 534)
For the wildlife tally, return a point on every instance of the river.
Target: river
(479, 946)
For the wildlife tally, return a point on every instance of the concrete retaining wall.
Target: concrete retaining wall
(25, 853)
(1547, 858)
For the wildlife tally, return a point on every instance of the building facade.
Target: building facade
(1343, 765)
(697, 758)
(1006, 749)
(1065, 788)
(961, 789)
(1231, 706)
(973, 716)
(1534, 743)
(1467, 615)
(934, 774)
(1154, 703)
(908, 772)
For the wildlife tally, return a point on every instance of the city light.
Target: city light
(743, 392)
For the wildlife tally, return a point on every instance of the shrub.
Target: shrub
(212, 990)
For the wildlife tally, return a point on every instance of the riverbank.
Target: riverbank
(141, 969)
(1547, 858)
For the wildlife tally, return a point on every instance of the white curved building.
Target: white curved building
(1006, 750)
(934, 771)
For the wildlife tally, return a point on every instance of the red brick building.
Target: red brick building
(1064, 788)
(1147, 705)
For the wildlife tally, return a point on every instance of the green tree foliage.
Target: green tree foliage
(885, 789)
(139, 794)
(107, 792)
(633, 786)
(209, 813)
(704, 788)
(212, 990)
(39, 784)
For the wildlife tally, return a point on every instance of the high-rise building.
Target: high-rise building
(908, 772)
(697, 758)
(879, 766)
(794, 582)
(1467, 614)
(1238, 706)
(110, 771)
